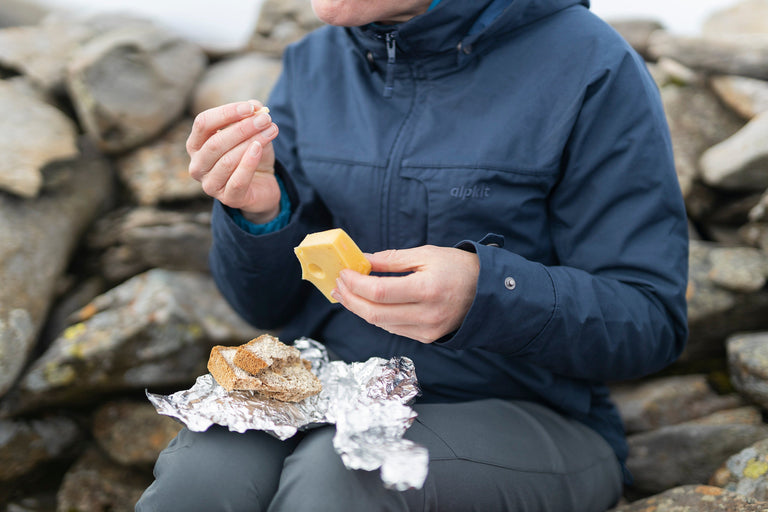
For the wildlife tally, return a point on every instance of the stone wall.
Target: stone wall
(103, 241)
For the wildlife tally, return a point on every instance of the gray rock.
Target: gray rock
(741, 161)
(43, 501)
(688, 453)
(282, 22)
(744, 17)
(697, 121)
(129, 84)
(698, 498)
(668, 401)
(76, 294)
(238, 78)
(746, 473)
(744, 55)
(37, 238)
(26, 445)
(23, 85)
(33, 134)
(636, 31)
(133, 433)
(21, 12)
(759, 213)
(745, 415)
(726, 235)
(748, 365)
(158, 171)
(131, 241)
(714, 312)
(154, 330)
(96, 484)
(43, 51)
(739, 269)
(678, 74)
(755, 234)
(747, 97)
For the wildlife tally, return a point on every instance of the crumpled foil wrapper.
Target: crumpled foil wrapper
(367, 401)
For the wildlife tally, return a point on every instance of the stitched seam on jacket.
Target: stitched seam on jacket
(555, 307)
(532, 171)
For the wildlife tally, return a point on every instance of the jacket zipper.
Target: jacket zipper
(389, 76)
(396, 152)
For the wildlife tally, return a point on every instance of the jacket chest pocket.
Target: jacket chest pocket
(468, 203)
(353, 194)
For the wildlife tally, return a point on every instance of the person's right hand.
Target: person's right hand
(231, 155)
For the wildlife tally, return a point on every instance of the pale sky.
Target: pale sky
(679, 16)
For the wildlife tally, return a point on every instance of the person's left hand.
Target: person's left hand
(426, 304)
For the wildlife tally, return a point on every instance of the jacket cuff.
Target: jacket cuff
(514, 302)
(241, 243)
(275, 224)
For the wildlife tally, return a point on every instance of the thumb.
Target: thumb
(395, 260)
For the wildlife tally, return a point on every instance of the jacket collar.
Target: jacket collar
(456, 21)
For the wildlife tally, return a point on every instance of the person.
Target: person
(507, 169)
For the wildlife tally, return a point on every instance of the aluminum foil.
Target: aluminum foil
(367, 401)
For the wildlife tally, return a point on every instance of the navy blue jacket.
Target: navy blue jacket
(530, 121)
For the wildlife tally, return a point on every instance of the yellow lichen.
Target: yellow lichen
(195, 330)
(755, 468)
(73, 331)
(59, 375)
(76, 350)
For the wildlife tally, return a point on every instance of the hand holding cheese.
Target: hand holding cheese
(325, 254)
(231, 155)
(429, 302)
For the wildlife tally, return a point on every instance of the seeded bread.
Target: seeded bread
(265, 351)
(293, 383)
(230, 377)
(287, 377)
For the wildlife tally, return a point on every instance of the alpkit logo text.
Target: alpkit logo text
(471, 192)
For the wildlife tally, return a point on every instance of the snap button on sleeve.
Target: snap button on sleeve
(510, 283)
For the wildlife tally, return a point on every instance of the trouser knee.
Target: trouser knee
(216, 470)
(315, 478)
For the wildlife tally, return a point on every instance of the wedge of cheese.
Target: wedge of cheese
(323, 255)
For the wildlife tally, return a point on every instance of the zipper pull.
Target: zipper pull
(389, 80)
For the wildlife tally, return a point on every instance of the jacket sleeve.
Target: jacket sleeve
(614, 306)
(259, 275)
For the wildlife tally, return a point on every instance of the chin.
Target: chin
(333, 12)
(343, 13)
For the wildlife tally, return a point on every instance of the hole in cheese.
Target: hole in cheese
(316, 271)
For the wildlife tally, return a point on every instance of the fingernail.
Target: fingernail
(262, 120)
(335, 295)
(245, 109)
(256, 148)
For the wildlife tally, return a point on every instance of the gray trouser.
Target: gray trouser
(489, 455)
